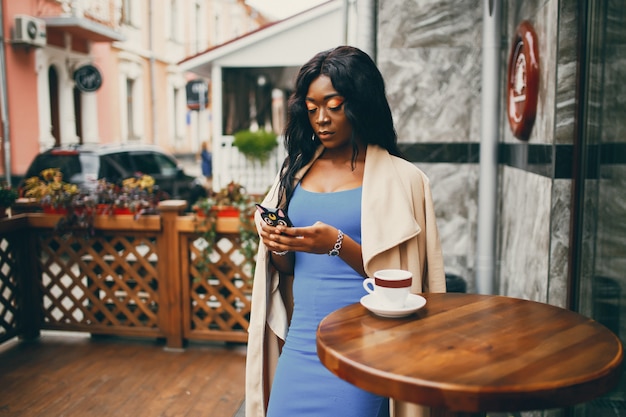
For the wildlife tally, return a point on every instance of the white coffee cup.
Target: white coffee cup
(390, 287)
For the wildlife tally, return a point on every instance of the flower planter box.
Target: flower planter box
(227, 220)
(222, 211)
(228, 224)
(47, 209)
(227, 211)
(122, 210)
(104, 209)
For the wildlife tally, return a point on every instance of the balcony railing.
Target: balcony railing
(101, 11)
(146, 277)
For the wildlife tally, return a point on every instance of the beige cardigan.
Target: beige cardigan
(398, 230)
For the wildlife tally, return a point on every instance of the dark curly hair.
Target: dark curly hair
(355, 77)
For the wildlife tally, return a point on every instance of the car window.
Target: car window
(146, 163)
(154, 164)
(110, 170)
(68, 164)
(122, 160)
(168, 166)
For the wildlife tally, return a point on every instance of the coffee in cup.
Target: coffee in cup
(390, 287)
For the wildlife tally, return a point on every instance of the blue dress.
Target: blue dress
(302, 386)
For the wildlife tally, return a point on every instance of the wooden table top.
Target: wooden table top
(474, 353)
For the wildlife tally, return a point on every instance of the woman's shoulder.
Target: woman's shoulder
(408, 168)
(395, 168)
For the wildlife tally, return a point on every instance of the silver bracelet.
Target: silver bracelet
(335, 250)
(283, 253)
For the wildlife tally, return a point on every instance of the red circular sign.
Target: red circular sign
(523, 81)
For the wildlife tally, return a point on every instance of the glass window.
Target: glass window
(601, 230)
(121, 160)
(127, 12)
(130, 116)
(154, 164)
(168, 166)
(68, 164)
(111, 170)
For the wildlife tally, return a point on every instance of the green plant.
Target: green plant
(79, 216)
(7, 195)
(207, 209)
(256, 145)
(248, 236)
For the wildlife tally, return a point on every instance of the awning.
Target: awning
(84, 28)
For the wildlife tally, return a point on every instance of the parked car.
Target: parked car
(83, 165)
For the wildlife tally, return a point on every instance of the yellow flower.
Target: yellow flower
(51, 174)
(49, 187)
(146, 182)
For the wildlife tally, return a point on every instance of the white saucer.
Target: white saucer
(413, 303)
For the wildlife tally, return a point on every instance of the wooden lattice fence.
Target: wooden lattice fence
(10, 286)
(147, 277)
(107, 283)
(218, 305)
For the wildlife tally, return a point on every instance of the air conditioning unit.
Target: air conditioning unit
(29, 30)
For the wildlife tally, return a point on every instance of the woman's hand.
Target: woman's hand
(319, 238)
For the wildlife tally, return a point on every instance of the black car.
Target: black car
(83, 165)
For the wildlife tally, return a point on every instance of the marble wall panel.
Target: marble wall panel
(430, 54)
(613, 67)
(408, 24)
(565, 106)
(454, 189)
(559, 242)
(434, 93)
(524, 238)
(611, 223)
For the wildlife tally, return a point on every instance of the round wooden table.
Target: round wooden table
(473, 353)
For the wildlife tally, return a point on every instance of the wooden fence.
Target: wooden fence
(145, 277)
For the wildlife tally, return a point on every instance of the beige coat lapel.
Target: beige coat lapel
(387, 211)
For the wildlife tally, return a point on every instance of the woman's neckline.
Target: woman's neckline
(329, 192)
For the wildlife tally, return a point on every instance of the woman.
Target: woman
(206, 158)
(357, 207)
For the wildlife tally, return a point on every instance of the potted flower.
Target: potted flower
(105, 194)
(224, 203)
(50, 191)
(58, 197)
(7, 197)
(256, 145)
(136, 196)
(79, 215)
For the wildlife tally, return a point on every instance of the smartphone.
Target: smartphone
(274, 216)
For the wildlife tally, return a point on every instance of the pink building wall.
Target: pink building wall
(21, 91)
(108, 95)
(23, 63)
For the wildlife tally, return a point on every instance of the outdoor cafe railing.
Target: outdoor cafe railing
(137, 277)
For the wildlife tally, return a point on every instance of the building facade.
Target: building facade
(105, 71)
